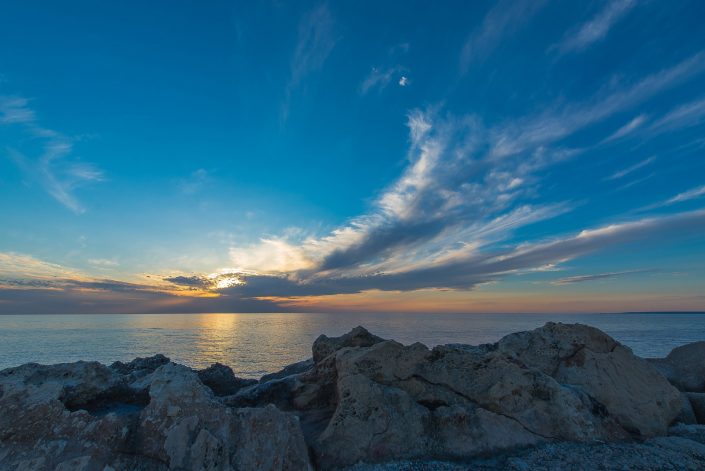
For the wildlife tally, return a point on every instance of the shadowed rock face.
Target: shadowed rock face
(684, 367)
(144, 365)
(358, 337)
(222, 380)
(359, 399)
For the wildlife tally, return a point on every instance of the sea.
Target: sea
(258, 343)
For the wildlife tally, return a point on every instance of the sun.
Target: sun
(228, 281)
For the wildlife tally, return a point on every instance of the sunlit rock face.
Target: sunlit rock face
(558, 382)
(359, 399)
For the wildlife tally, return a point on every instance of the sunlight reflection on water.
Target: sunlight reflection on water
(255, 344)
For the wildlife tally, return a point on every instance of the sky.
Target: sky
(509, 156)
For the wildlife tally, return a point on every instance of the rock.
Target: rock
(358, 337)
(360, 399)
(88, 416)
(691, 432)
(684, 367)
(269, 439)
(629, 388)
(687, 414)
(293, 369)
(409, 402)
(147, 364)
(222, 381)
(559, 382)
(697, 401)
(277, 391)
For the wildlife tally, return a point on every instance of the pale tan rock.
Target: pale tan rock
(404, 402)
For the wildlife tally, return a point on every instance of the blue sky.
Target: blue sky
(469, 156)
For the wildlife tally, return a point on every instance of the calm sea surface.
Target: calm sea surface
(255, 344)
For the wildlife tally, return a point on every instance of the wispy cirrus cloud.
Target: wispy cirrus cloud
(682, 116)
(316, 40)
(626, 171)
(378, 79)
(597, 276)
(51, 169)
(595, 29)
(501, 22)
(686, 115)
(466, 188)
(559, 122)
(628, 128)
(16, 110)
(686, 195)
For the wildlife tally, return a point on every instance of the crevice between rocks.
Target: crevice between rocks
(120, 399)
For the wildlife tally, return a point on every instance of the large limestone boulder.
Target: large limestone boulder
(684, 367)
(85, 416)
(629, 388)
(408, 402)
(559, 382)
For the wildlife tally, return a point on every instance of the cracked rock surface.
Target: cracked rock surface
(556, 394)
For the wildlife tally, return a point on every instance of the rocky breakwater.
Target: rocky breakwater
(360, 399)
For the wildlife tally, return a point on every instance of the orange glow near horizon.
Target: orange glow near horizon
(447, 301)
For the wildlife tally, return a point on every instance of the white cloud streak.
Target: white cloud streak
(686, 115)
(596, 277)
(687, 195)
(556, 124)
(633, 168)
(628, 128)
(596, 28)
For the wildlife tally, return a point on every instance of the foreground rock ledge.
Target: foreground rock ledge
(561, 395)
